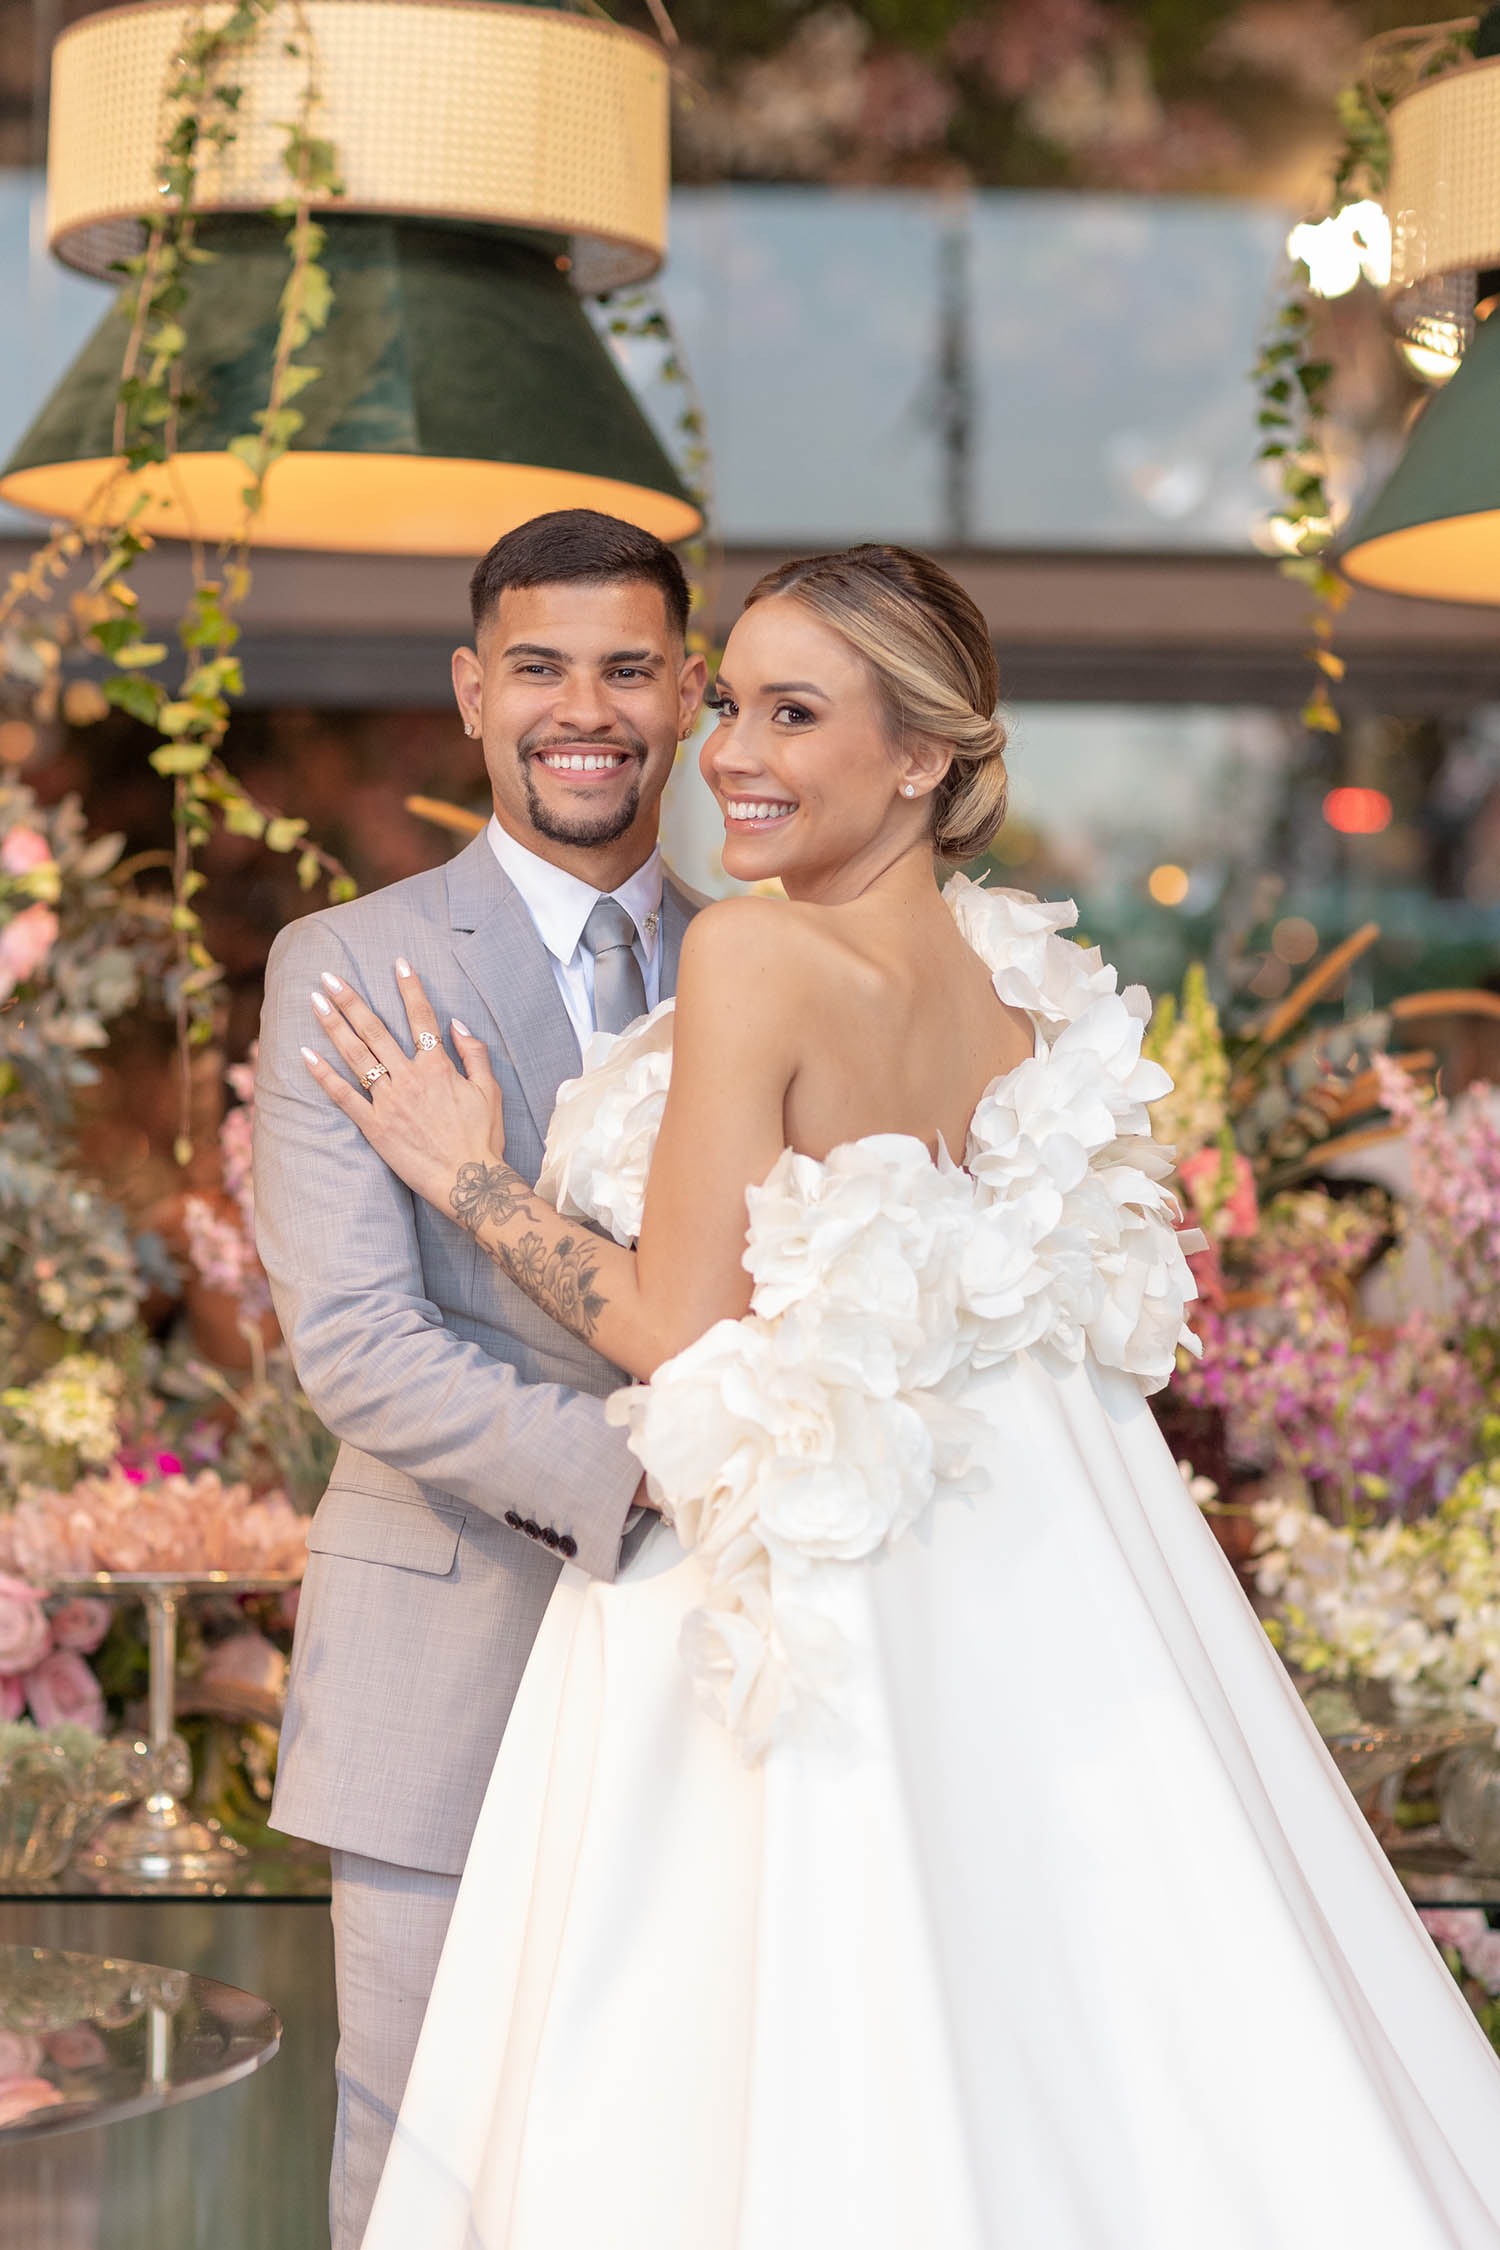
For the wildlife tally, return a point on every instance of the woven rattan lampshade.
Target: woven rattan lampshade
(1434, 529)
(463, 389)
(1444, 201)
(524, 116)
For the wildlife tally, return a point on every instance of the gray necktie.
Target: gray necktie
(619, 987)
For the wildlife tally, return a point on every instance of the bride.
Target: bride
(919, 1843)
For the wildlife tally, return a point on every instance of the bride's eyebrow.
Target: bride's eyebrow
(794, 687)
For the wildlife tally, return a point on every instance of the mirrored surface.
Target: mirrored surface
(86, 2039)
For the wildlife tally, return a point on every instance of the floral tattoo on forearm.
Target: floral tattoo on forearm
(561, 1280)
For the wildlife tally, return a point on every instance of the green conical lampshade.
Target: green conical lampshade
(1434, 528)
(462, 390)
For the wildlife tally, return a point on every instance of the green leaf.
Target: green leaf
(141, 698)
(342, 888)
(114, 633)
(281, 835)
(184, 919)
(307, 870)
(297, 376)
(178, 718)
(242, 819)
(132, 656)
(180, 758)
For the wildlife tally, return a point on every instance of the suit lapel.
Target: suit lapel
(677, 910)
(496, 945)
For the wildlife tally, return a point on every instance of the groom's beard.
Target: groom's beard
(587, 829)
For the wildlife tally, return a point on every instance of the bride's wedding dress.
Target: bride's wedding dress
(923, 1846)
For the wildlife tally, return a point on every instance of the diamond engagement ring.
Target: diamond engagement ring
(427, 1040)
(377, 1070)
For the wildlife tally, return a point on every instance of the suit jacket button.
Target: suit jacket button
(551, 1537)
(532, 1530)
(513, 1519)
(567, 1545)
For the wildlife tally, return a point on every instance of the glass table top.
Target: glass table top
(275, 1869)
(86, 2040)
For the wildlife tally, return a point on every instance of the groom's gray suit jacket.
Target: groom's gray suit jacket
(474, 1453)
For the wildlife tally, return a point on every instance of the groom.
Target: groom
(474, 1454)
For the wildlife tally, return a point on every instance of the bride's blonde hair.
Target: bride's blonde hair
(933, 663)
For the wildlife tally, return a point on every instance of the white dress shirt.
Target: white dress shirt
(559, 905)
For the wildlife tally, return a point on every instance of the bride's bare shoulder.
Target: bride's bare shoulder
(763, 938)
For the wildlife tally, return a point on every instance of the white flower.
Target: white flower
(605, 1123)
(1005, 1283)
(75, 1404)
(841, 1501)
(1016, 937)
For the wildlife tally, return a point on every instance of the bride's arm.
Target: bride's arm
(734, 1057)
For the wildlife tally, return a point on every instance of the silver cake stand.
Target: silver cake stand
(159, 1844)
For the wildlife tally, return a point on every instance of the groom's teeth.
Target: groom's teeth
(743, 808)
(583, 761)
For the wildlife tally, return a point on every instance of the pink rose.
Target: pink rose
(62, 1689)
(12, 1697)
(22, 849)
(81, 1624)
(20, 2096)
(25, 1635)
(246, 1660)
(168, 1465)
(25, 942)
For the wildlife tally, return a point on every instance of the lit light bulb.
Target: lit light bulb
(1337, 250)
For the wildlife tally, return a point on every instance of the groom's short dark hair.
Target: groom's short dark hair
(582, 545)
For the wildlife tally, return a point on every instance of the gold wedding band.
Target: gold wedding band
(368, 1077)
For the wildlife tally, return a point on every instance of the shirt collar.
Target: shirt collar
(559, 903)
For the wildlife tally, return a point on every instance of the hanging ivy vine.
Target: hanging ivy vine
(1293, 380)
(202, 98)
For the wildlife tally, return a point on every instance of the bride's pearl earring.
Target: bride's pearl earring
(910, 789)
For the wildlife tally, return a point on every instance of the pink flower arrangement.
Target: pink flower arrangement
(1388, 1419)
(174, 1522)
(42, 1664)
(25, 942)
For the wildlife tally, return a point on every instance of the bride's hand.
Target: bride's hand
(426, 1119)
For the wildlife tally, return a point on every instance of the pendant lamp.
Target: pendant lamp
(1434, 528)
(499, 162)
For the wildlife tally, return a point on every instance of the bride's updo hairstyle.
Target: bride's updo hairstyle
(933, 663)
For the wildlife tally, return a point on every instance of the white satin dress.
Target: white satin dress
(922, 1848)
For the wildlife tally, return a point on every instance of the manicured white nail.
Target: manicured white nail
(462, 1029)
(322, 1006)
(308, 1056)
(403, 968)
(331, 981)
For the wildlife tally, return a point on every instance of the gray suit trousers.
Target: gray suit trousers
(389, 1924)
